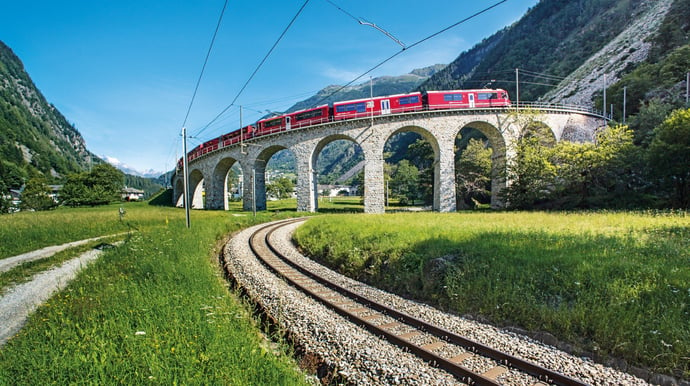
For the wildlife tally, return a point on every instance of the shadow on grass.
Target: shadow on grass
(594, 291)
(163, 198)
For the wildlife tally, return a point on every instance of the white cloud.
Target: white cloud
(340, 76)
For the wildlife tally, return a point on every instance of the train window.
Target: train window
(409, 100)
(358, 107)
(487, 95)
(308, 115)
(273, 122)
(452, 97)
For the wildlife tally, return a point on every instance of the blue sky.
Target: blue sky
(124, 71)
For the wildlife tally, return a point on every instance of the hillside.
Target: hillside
(553, 39)
(35, 138)
(626, 50)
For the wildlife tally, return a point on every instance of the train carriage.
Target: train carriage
(361, 108)
(464, 99)
(237, 136)
(308, 117)
(392, 104)
(270, 125)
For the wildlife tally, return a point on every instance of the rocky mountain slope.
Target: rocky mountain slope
(35, 138)
(626, 50)
(550, 42)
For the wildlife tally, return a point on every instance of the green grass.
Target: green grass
(23, 272)
(351, 204)
(154, 310)
(27, 231)
(615, 284)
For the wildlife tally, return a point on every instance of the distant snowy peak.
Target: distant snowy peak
(129, 170)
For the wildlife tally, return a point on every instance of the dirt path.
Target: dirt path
(20, 301)
(11, 262)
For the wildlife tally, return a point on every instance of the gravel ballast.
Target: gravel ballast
(364, 359)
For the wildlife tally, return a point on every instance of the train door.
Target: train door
(385, 106)
(470, 97)
(288, 125)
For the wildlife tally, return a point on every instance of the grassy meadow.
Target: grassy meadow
(611, 284)
(154, 310)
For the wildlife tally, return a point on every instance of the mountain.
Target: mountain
(152, 174)
(630, 47)
(35, 138)
(553, 40)
(384, 85)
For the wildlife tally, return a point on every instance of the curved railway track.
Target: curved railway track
(437, 346)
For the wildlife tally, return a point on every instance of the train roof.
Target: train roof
(465, 90)
(376, 97)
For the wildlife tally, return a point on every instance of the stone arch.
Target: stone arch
(196, 187)
(541, 130)
(255, 178)
(498, 157)
(320, 146)
(178, 191)
(573, 133)
(218, 197)
(440, 167)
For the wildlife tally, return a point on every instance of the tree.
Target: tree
(669, 156)
(5, 199)
(596, 175)
(107, 181)
(473, 174)
(421, 154)
(36, 195)
(404, 182)
(102, 185)
(531, 175)
(280, 188)
(651, 115)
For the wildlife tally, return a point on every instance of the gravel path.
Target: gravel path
(20, 301)
(365, 359)
(11, 262)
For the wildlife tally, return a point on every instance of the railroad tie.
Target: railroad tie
(433, 346)
(495, 372)
(459, 358)
(409, 335)
(388, 326)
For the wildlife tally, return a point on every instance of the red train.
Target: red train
(359, 108)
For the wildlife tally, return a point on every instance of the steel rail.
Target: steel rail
(464, 374)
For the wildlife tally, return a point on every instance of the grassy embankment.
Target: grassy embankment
(154, 310)
(615, 284)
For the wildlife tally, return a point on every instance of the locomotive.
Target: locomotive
(358, 108)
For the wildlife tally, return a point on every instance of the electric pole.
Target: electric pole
(185, 175)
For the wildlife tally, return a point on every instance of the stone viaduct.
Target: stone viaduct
(502, 126)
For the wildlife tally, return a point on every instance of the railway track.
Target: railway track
(469, 361)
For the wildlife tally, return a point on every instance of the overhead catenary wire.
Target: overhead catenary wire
(231, 114)
(256, 70)
(541, 75)
(184, 124)
(411, 46)
(203, 68)
(362, 21)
